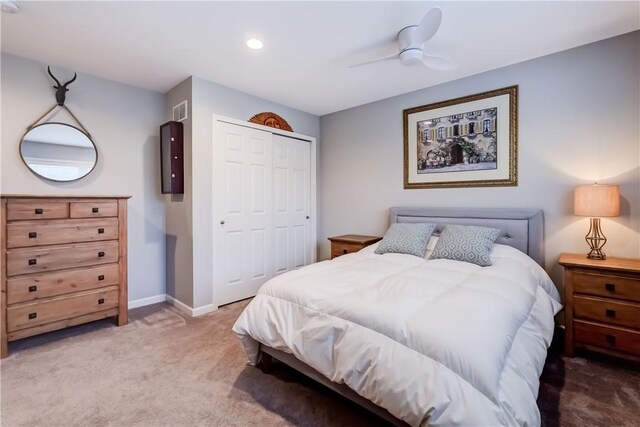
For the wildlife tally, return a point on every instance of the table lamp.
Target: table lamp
(596, 201)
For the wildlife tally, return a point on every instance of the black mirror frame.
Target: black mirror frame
(95, 148)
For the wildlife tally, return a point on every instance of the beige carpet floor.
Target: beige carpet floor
(166, 369)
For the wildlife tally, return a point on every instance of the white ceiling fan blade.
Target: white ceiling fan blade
(438, 63)
(427, 27)
(384, 58)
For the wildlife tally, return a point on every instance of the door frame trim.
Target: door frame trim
(312, 179)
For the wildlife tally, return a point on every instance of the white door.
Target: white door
(242, 211)
(292, 245)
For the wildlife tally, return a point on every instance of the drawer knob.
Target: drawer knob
(33, 315)
(33, 261)
(101, 277)
(101, 301)
(33, 235)
(611, 287)
(95, 210)
(33, 288)
(344, 251)
(39, 211)
(100, 230)
(610, 313)
(100, 254)
(611, 339)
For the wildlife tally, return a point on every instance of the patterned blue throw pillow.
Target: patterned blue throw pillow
(466, 243)
(405, 238)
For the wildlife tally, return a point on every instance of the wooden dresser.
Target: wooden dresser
(349, 243)
(602, 305)
(64, 262)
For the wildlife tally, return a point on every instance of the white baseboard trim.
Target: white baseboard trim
(147, 301)
(205, 309)
(179, 305)
(193, 312)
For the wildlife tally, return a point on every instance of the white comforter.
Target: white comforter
(434, 342)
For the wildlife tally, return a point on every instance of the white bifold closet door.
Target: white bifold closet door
(261, 207)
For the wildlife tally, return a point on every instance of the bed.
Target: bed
(417, 341)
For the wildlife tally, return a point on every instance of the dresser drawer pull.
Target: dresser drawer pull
(33, 235)
(101, 301)
(100, 254)
(610, 287)
(39, 211)
(610, 313)
(100, 230)
(611, 339)
(344, 251)
(33, 288)
(33, 315)
(95, 210)
(33, 261)
(101, 277)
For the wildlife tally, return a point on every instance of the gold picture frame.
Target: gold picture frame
(470, 141)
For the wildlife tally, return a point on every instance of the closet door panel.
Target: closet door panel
(242, 205)
(261, 208)
(291, 192)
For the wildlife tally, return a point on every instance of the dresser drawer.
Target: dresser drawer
(51, 258)
(608, 311)
(38, 233)
(608, 337)
(627, 288)
(338, 248)
(23, 316)
(25, 210)
(93, 209)
(44, 285)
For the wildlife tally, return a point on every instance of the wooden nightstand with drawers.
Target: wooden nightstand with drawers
(602, 305)
(349, 243)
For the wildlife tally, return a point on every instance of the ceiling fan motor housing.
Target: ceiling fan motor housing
(409, 55)
(405, 37)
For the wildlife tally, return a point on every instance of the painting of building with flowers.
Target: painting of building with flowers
(460, 142)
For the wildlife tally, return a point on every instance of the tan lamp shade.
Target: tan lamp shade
(597, 200)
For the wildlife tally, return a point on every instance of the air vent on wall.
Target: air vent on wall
(180, 112)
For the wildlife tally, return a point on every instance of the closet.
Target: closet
(263, 195)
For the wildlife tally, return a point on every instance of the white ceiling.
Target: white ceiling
(308, 46)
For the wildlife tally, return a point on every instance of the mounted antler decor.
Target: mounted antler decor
(61, 90)
(58, 151)
(61, 94)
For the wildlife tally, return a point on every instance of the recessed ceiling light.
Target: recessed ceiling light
(254, 44)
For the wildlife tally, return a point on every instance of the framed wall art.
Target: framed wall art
(464, 142)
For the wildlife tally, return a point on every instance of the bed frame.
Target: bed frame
(522, 229)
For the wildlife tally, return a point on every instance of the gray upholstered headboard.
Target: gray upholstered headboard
(522, 229)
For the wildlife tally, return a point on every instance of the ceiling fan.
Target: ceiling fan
(411, 40)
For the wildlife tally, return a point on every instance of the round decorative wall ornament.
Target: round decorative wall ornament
(272, 120)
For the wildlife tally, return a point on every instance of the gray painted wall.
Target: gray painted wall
(123, 121)
(179, 225)
(578, 123)
(192, 223)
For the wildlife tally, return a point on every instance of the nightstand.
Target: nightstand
(602, 305)
(349, 243)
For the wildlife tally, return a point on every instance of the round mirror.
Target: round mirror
(58, 151)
